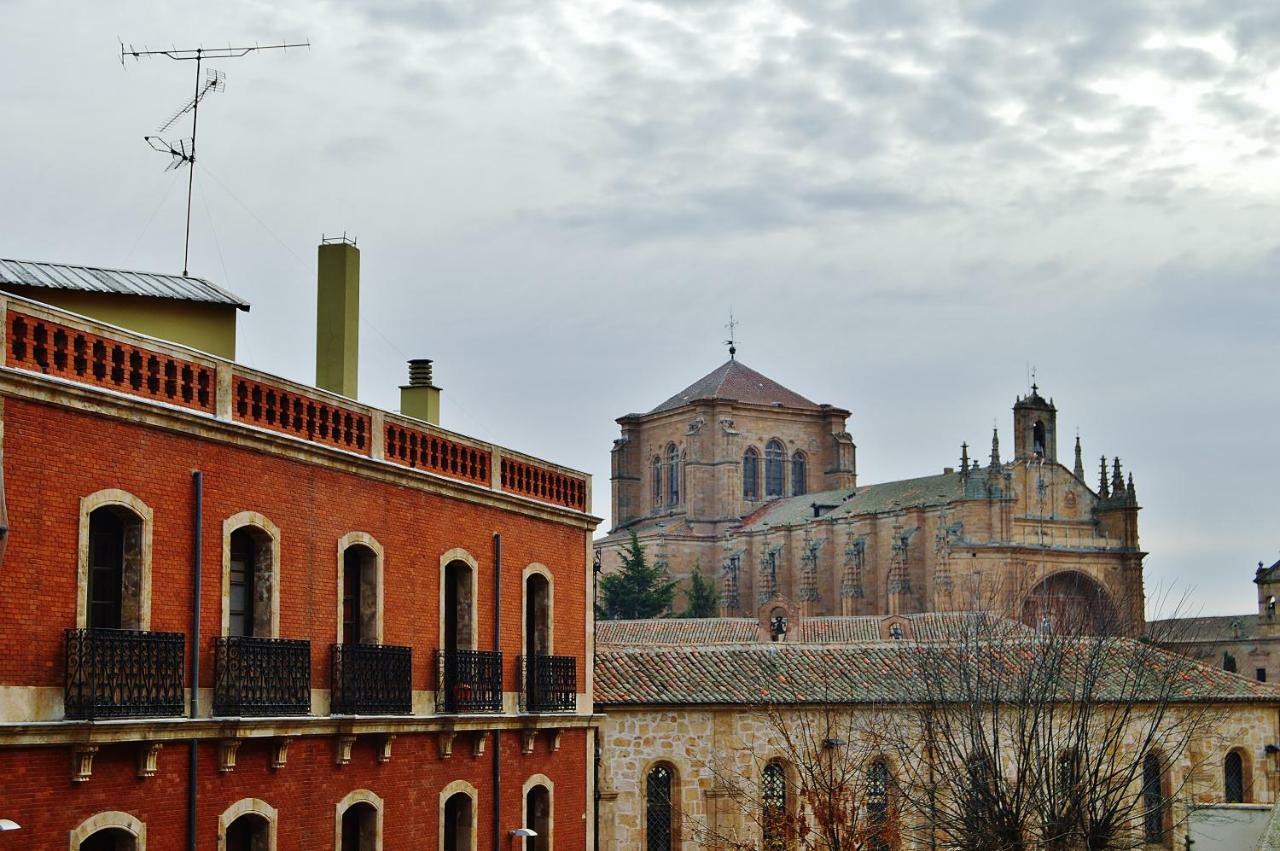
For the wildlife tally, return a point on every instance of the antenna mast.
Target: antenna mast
(214, 83)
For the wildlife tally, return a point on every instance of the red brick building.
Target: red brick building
(393, 637)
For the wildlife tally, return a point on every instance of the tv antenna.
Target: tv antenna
(183, 152)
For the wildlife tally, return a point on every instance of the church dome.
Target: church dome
(733, 381)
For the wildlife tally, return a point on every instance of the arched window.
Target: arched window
(774, 457)
(458, 594)
(111, 839)
(878, 804)
(659, 809)
(539, 677)
(799, 476)
(1153, 806)
(773, 799)
(1234, 778)
(115, 563)
(247, 825)
(657, 481)
(110, 831)
(751, 474)
(673, 475)
(360, 828)
(249, 832)
(359, 822)
(537, 817)
(113, 566)
(250, 576)
(360, 597)
(459, 821)
(1037, 439)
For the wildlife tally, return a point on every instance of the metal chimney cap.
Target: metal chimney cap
(420, 372)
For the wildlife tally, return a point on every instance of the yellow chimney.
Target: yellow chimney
(420, 398)
(338, 316)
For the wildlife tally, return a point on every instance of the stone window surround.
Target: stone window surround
(266, 527)
(545, 782)
(358, 796)
(535, 568)
(447, 558)
(363, 539)
(791, 785)
(110, 820)
(123, 499)
(1246, 773)
(448, 792)
(243, 807)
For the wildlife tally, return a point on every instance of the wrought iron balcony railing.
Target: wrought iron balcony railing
(548, 683)
(124, 673)
(468, 681)
(261, 676)
(372, 679)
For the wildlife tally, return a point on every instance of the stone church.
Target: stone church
(757, 487)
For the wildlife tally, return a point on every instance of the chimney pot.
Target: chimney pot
(420, 372)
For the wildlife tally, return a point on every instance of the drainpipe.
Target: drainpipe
(497, 645)
(197, 481)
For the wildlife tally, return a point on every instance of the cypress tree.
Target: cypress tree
(639, 590)
(703, 597)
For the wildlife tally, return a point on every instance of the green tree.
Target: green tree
(703, 598)
(639, 590)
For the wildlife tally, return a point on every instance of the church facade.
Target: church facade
(756, 486)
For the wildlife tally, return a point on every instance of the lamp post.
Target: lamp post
(9, 824)
(524, 833)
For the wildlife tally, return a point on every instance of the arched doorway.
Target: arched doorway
(360, 828)
(111, 839)
(458, 817)
(537, 637)
(1070, 603)
(537, 808)
(359, 595)
(458, 590)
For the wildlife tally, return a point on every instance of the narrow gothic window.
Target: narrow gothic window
(657, 481)
(659, 813)
(1037, 438)
(773, 795)
(1233, 771)
(1152, 799)
(751, 474)
(673, 475)
(878, 803)
(774, 456)
(1228, 662)
(799, 481)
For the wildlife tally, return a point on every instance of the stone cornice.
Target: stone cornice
(183, 729)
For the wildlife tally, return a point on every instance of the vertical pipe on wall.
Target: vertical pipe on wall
(197, 482)
(497, 646)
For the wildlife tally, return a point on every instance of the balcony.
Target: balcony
(372, 679)
(124, 673)
(468, 681)
(261, 676)
(548, 683)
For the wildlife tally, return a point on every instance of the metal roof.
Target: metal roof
(62, 276)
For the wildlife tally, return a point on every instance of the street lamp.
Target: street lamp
(9, 824)
(524, 833)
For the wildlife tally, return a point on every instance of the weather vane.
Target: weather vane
(732, 324)
(183, 152)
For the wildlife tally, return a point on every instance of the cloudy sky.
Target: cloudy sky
(907, 205)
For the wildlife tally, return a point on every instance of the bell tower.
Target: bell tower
(1035, 427)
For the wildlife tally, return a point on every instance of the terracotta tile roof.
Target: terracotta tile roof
(879, 672)
(1213, 628)
(682, 632)
(923, 492)
(677, 631)
(733, 380)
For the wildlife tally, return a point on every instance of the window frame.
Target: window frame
(260, 524)
(545, 782)
(117, 498)
(248, 806)
(751, 474)
(358, 796)
(460, 787)
(800, 465)
(370, 543)
(110, 820)
(457, 554)
(673, 804)
(775, 476)
(673, 475)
